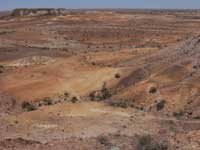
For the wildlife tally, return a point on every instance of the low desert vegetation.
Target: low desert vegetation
(66, 94)
(47, 101)
(152, 90)
(92, 96)
(100, 80)
(160, 105)
(26, 106)
(6, 32)
(1, 68)
(103, 140)
(121, 104)
(178, 115)
(103, 94)
(196, 117)
(117, 75)
(146, 142)
(74, 99)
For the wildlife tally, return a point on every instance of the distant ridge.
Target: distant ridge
(26, 12)
(39, 12)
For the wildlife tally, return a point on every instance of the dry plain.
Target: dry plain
(100, 79)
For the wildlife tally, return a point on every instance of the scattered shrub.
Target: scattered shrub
(196, 66)
(178, 114)
(100, 95)
(48, 101)
(160, 105)
(6, 32)
(74, 99)
(92, 96)
(141, 108)
(105, 93)
(119, 104)
(152, 90)
(146, 142)
(66, 94)
(190, 113)
(103, 140)
(117, 75)
(3, 32)
(28, 107)
(196, 117)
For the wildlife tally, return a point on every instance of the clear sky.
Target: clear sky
(11, 4)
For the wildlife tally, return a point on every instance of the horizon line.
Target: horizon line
(11, 9)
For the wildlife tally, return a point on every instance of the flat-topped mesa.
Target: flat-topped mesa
(39, 12)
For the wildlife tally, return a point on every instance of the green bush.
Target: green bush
(196, 117)
(92, 96)
(66, 94)
(28, 106)
(100, 95)
(152, 90)
(178, 114)
(6, 32)
(117, 75)
(74, 99)
(160, 105)
(146, 142)
(105, 93)
(103, 140)
(119, 104)
(48, 101)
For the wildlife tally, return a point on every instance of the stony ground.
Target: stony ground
(112, 79)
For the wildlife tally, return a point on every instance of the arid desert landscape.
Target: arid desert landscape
(99, 79)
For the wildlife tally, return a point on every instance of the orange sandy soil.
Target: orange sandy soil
(128, 53)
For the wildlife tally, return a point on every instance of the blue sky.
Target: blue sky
(11, 4)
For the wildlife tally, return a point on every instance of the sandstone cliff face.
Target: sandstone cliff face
(38, 12)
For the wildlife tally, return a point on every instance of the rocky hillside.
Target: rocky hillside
(170, 75)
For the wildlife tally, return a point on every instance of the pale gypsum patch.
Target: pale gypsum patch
(29, 61)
